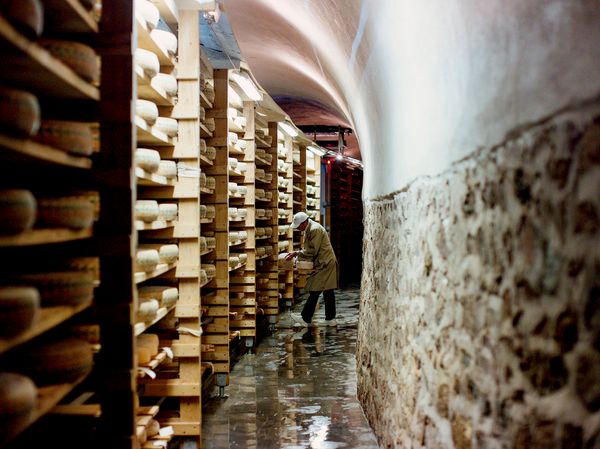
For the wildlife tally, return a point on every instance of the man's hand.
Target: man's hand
(291, 255)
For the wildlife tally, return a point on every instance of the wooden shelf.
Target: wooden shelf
(206, 191)
(208, 281)
(236, 174)
(152, 179)
(310, 180)
(33, 68)
(208, 251)
(297, 203)
(153, 364)
(236, 220)
(44, 236)
(140, 328)
(146, 42)
(148, 135)
(153, 226)
(237, 267)
(49, 318)
(68, 16)
(263, 238)
(206, 220)
(296, 175)
(262, 180)
(236, 243)
(261, 162)
(29, 151)
(148, 92)
(235, 151)
(160, 269)
(204, 101)
(48, 397)
(206, 161)
(298, 189)
(204, 131)
(260, 143)
(263, 200)
(263, 257)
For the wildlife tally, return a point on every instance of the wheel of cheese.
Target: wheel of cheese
(147, 159)
(260, 232)
(165, 82)
(269, 213)
(169, 126)
(202, 179)
(203, 211)
(202, 277)
(269, 196)
(243, 258)
(153, 428)
(234, 261)
(269, 158)
(165, 40)
(232, 188)
(72, 137)
(56, 361)
(243, 235)
(203, 245)
(268, 232)
(260, 193)
(211, 153)
(18, 399)
(260, 173)
(232, 212)
(143, 355)
(167, 296)
(147, 310)
(242, 167)
(27, 16)
(210, 212)
(242, 213)
(148, 61)
(146, 210)
(211, 242)
(147, 260)
(68, 212)
(233, 162)
(203, 147)
(210, 269)
(80, 58)
(149, 341)
(66, 288)
(209, 91)
(202, 113)
(211, 182)
(18, 211)
(19, 309)
(19, 112)
(146, 110)
(260, 213)
(210, 124)
(168, 169)
(260, 251)
(269, 177)
(232, 138)
(168, 211)
(168, 253)
(148, 12)
(233, 236)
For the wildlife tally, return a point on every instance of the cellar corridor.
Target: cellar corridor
(297, 391)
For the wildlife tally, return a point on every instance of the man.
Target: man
(324, 278)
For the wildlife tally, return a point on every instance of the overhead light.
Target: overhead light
(247, 86)
(288, 129)
(316, 150)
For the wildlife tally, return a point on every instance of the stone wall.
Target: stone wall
(480, 312)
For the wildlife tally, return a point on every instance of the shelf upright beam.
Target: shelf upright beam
(116, 228)
(217, 332)
(188, 275)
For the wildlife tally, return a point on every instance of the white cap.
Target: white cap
(299, 218)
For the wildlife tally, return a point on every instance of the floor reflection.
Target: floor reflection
(297, 392)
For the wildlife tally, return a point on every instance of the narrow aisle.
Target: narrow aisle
(297, 392)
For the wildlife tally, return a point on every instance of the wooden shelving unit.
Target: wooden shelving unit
(267, 270)
(47, 172)
(285, 153)
(300, 202)
(215, 296)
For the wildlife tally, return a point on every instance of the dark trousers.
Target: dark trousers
(311, 303)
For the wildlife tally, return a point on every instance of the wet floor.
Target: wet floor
(297, 392)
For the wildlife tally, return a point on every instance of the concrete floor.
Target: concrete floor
(298, 391)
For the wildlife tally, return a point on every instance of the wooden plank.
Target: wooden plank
(44, 236)
(36, 70)
(170, 388)
(160, 270)
(49, 317)
(19, 149)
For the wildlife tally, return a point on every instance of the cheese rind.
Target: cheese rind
(67, 212)
(19, 112)
(19, 309)
(18, 210)
(79, 57)
(148, 61)
(72, 137)
(18, 399)
(67, 288)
